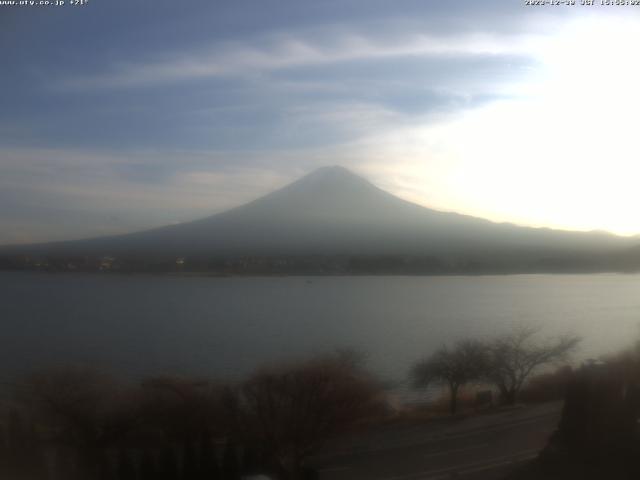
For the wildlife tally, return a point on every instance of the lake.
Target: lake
(225, 327)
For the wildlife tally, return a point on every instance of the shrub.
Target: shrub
(547, 387)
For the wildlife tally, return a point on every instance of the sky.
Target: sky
(117, 116)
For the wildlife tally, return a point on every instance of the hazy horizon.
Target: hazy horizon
(299, 183)
(119, 118)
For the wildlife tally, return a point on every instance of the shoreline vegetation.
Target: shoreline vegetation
(80, 423)
(319, 265)
(334, 222)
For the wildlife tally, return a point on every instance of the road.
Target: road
(480, 447)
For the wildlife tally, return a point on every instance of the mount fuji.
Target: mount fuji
(336, 213)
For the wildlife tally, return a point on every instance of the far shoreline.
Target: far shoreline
(314, 274)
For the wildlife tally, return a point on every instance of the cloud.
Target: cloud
(286, 52)
(190, 112)
(60, 194)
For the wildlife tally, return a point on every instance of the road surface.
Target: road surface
(480, 447)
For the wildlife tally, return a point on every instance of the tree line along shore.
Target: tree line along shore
(77, 423)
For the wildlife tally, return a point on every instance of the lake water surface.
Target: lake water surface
(225, 327)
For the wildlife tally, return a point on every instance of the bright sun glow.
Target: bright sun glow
(563, 150)
(568, 154)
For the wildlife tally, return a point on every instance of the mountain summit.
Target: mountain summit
(334, 212)
(326, 181)
(334, 174)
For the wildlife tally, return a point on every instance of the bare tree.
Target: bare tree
(514, 356)
(291, 411)
(184, 408)
(83, 409)
(191, 415)
(454, 367)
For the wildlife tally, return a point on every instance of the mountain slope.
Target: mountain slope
(334, 212)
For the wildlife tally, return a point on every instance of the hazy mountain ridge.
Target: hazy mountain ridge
(333, 212)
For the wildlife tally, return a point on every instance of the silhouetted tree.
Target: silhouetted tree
(148, 469)
(251, 463)
(125, 469)
(514, 356)
(185, 409)
(87, 410)
(291, 411)
(597, 436)
(209, 468)
(168, 469)
(230, 467)
(24, 455)
(190, 464)
(18, 441)
(454, 367)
